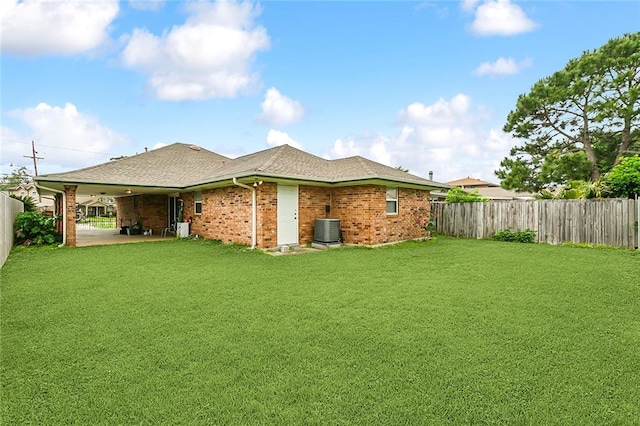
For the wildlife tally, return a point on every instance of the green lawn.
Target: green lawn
(102, 222)
(194, 332)
(99, 222)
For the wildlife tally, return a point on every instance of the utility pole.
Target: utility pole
(34, 157)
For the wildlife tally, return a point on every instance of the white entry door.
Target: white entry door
(287, 214)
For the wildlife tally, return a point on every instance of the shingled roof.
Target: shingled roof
(470, 182)
(182, 166)
(174, 166)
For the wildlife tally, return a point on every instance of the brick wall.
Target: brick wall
(312, 202)
(58, 209)
(129, 210)
(155, 212)
(412, 204)
(363, 218)
(151, 210)
(70, 193)
(189, 209)
(356, 207)
(226, 214)
(267, 201)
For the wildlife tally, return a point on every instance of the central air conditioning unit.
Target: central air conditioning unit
(326, 231)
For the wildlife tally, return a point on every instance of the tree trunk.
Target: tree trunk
(588, 149)
(626, 141)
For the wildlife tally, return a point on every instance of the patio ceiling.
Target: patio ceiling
(108, 190)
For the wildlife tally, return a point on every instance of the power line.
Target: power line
(67, 149)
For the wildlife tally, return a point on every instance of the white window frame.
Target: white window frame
(197, 201)
(392, 199)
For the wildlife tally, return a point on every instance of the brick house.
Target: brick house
(266, 199)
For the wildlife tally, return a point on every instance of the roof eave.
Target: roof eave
(250, 177)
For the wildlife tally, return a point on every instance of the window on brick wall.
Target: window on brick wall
(198, 202)
(392, 200)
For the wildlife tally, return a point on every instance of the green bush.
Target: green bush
(526, 236)
(29, 204)
(458, 195)
(624, 179)
(36, 228)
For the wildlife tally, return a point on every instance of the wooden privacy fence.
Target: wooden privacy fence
(611, 222)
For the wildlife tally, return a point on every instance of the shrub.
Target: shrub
(29, 204)
(36, 228)
(458, 195)
(428, 224)
(526, 236)
(624, 179)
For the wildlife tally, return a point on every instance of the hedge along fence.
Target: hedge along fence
(9, 209)
(611, 222)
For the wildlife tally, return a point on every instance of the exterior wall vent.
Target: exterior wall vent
(326, 231)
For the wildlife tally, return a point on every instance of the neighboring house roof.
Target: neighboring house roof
(437, 195)
(90, 203)
(181, 166)
(470, 182)
(23, 187)
(498, 193)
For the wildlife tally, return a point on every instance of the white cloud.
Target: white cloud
(279, 110)
(440, 11)
(499, 17)
(440, 112)
(277, 138)
(210, 56)
(64, 136)
(147, 4)
(343, 149)
(32, 27)
(448, 137)
(502, 66)
(371, 146)
(159, 145)
(469, 5)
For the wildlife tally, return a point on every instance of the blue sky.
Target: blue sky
(423, 85)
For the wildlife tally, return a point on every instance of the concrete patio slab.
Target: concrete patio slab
(95, 237)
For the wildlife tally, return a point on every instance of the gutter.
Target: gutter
(254, 210)
(64, 210)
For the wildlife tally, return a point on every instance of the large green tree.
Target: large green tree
(579, 122)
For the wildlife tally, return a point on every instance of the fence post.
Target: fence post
(480, 221)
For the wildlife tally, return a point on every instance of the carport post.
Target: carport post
(70, 210)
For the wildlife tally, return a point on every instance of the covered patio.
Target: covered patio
(97, 237)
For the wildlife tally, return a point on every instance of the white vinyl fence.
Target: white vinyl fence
(9, 209)
(611, 222)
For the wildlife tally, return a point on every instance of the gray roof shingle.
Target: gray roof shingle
(181, 166)
(173, 166)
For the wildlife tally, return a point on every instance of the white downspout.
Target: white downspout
(254, 211)
(64, 210)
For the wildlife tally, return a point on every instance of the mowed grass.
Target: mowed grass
(194, 332)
